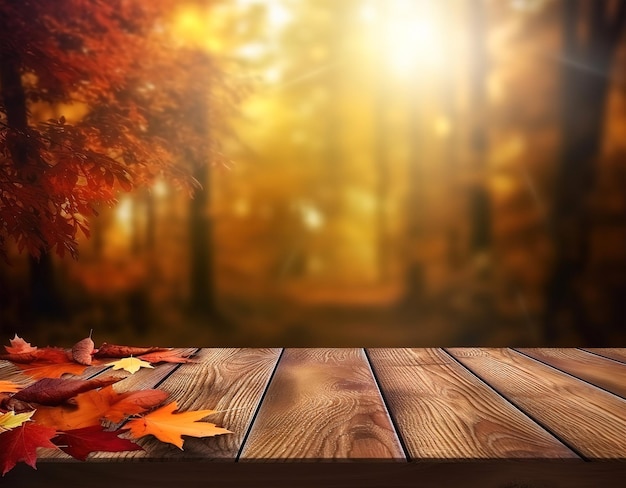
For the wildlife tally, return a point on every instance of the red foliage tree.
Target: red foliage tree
(114, 57)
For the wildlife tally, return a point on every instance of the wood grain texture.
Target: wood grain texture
(230, 381)
(10, 372)
(597, 370)
(443, 411)
(322, 404)
(587, 418)
(615, 353)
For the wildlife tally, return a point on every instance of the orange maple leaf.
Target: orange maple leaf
(41, 369)
(95, 405)
(9, 387)
(168, 426)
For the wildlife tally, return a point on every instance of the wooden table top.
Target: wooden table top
(400, 405)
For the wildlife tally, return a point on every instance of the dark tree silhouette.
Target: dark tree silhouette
(591, 33)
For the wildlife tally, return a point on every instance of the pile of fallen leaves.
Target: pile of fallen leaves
(82, 416)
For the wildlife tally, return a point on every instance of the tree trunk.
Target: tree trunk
(584, 93)
(479, 204)
(202, 288)
(45, 299)
(14, 100)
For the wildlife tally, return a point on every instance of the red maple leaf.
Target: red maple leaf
(21, 444)
(79, 443)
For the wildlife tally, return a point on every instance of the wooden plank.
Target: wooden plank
(444, 411)
(231, 381)
(590, 420)
(323, 404)
(615, 353)
(597, 370)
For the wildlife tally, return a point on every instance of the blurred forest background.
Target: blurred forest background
(400, 173)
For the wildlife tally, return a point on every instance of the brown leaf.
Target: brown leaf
(20, 357)
(47, 354)
(19, 345)
(82, 350)
(55, 391)
(116, 351)
(172, 356)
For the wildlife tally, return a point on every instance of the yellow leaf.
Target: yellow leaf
(10, 420)
(130, 364)
(9, 387)
(169, 427)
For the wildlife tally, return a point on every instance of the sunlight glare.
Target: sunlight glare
(412, 41)
(442, 126)
(160, 189)
(251, 51)
(272, 75)
(277, 14)
(368, 13)
(189, 26)
(411, 34)
(124, 213)
(311, 216)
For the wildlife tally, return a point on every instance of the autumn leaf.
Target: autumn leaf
(116, 351)
(11, 420)
(38, 370)
(134, 402)
(48, 354)
(171, 356)
(95, 405)
(20, 357)
(9, 387)
(55, 391)
(132, 365)
(21, 444)
(82, 350)
(168, 426)
(19, 345)
(79, 443)
(47, 362)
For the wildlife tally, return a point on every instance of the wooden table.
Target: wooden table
(445, 414)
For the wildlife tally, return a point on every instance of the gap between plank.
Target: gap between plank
(258, 407)
(619, 361)
(158, 383)
(517, 407)
(395, 426)
(583, 380)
